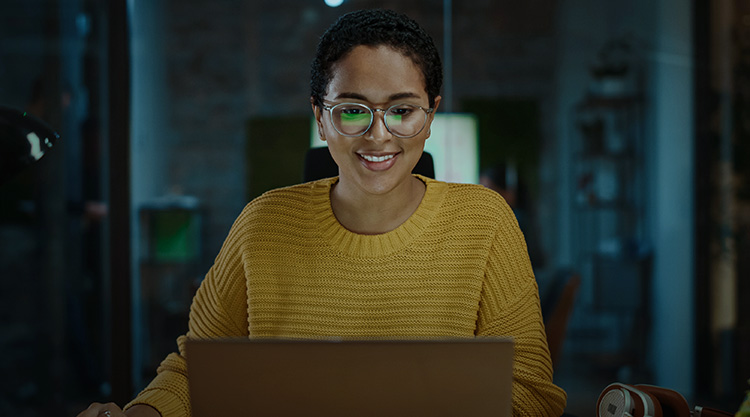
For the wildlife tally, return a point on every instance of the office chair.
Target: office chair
(557, 307)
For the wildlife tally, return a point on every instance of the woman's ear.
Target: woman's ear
(318, 118)
(432, 115)
(437, 104)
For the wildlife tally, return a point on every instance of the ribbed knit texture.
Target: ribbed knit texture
(457, 267)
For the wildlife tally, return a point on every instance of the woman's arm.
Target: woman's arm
(112, 410)
(510, 307)
(142, 410)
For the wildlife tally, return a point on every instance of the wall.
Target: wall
(207, 105)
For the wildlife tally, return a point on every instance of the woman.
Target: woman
(376, 251)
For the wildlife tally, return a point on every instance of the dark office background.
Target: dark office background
(625, 126)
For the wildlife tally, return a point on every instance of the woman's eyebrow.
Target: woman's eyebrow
(400, 96)
(352, 95)
(397, 96)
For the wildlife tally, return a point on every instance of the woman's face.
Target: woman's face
(377, 162)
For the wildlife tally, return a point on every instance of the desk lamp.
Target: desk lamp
(24, 139)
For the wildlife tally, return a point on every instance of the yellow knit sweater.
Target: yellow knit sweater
(458, 267)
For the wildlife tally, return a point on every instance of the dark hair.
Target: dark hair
(374, 28)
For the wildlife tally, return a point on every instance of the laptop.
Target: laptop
(456, 377)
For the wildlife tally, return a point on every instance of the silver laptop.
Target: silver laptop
(456, 377)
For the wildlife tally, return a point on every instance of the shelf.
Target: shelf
(616, 156)
(602, 103)
(606, 205)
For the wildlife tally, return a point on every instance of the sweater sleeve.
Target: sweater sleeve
(509, 306)
(218, 310)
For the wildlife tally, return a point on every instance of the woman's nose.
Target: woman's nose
(378, 130)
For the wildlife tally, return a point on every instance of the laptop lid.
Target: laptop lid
(346, 378)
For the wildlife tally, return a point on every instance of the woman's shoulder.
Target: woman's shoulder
(473, 207)
(471, 197)
(291, 200)
(477, 191)
(296, 194)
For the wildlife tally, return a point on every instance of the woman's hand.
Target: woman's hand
(102, 410)
(112, 410)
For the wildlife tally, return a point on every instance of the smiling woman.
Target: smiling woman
(376, 252)
(376, 191)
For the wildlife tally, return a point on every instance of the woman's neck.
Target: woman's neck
(370, 214)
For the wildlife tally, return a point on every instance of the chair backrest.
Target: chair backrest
(319, 164)
(556, 321)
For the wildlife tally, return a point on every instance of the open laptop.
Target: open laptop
(456, 377)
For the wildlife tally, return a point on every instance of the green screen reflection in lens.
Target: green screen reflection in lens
(394, 120)
(355, 120)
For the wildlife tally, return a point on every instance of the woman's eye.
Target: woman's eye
(353, 111)
(401, 111)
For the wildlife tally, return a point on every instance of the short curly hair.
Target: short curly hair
(375, 28)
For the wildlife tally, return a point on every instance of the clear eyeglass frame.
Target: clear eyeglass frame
(372, 111)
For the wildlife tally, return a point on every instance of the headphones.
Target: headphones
(623, 400)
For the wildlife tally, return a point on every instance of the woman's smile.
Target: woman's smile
(378, 161)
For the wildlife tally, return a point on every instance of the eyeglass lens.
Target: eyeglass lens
(402, 120)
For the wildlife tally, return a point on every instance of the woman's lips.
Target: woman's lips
(380, 162)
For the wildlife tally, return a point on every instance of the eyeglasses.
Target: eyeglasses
(355, 119)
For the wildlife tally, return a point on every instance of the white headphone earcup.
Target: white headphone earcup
(614, 402)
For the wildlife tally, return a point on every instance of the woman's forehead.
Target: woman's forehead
(376, 74)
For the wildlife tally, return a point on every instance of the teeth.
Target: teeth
(376, 158)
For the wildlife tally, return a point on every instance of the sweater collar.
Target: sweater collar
(373, 246)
